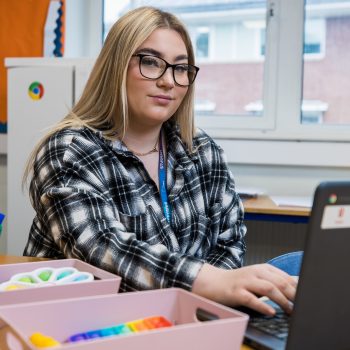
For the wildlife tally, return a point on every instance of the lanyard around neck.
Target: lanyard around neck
(162, 181)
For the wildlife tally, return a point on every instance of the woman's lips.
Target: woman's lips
(162, 100)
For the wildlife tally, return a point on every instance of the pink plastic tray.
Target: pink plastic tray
(105, 283)
(62, 318)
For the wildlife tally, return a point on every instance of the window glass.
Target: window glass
(326, 78)
(314, 37)
(229, 43)
(201, 43)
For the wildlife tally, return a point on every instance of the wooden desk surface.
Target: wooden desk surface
(264, 205)
(8, 259)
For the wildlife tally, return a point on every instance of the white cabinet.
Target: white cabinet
(41, 91)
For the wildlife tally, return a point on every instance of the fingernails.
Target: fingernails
(272, 311)
(290, 307)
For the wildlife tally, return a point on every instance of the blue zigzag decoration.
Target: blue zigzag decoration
(3, 128)
(58, 32)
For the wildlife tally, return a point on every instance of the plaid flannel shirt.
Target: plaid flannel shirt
(95, 201)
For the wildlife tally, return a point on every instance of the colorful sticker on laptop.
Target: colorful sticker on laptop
(336, 216)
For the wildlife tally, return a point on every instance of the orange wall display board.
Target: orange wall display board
(23, 27)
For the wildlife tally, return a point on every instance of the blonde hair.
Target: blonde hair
(103, 105)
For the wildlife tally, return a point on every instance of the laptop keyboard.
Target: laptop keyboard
(277, 325)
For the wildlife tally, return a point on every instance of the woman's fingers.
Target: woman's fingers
(276, 271)
(251, 301)
(245, 286)
(264, 280)
(278, 286)
(273, 292)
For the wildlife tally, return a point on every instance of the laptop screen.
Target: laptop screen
(321, 313)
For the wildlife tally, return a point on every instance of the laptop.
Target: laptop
(321, 314)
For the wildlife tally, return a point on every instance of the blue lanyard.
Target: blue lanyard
(162, 181)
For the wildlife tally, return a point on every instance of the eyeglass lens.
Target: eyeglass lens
(153, 67)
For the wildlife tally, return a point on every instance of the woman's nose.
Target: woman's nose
(167, 78)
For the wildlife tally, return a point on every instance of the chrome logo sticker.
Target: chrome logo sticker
(36, 91)
(332, 199)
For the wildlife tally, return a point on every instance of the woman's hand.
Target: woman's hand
(245, 286)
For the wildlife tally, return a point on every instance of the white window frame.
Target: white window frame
(283, 69)
(229, 126)
(278, 138)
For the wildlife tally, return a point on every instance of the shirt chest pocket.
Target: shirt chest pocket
(199, 236)
(149, 228)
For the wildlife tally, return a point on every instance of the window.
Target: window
(201, 42)
(314, 38)
(270, 69)
(326, 82)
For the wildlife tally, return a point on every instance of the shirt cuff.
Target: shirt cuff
(185, 272)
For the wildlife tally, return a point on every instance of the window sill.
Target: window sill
(286, 153)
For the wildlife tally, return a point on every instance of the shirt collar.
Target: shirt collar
(176, 149)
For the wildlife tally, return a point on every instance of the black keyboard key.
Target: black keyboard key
(277, 325)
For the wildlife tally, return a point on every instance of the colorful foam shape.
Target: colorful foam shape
(124, 328)
(77, 337)
(46, 276)
(43, 341)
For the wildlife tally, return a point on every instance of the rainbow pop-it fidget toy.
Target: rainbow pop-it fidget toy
(154, 322)
(45, 276)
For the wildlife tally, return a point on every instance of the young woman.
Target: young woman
(127, 183)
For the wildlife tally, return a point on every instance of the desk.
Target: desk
(263, 208)
(7, 259)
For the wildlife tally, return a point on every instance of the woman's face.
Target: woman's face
(152, 102)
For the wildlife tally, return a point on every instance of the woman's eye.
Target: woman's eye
(149, 61)
(183, 68)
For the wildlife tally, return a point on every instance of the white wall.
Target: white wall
(286, 180)
(3, 200)
(84, 28)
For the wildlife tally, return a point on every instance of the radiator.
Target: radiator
(266, 240)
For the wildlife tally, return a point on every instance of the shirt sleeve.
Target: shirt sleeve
(75, 210)
(230, 247)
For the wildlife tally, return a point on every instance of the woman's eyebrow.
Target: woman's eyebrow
(181, 57)
(150, 51)
(157, 53)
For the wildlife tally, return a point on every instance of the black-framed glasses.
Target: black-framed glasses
(153, 67)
